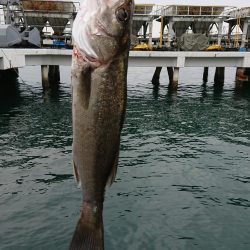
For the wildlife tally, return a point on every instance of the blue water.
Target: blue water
(184, 173)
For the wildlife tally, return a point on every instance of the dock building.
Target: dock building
(27, 24)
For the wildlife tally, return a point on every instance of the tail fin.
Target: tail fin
(88, 234)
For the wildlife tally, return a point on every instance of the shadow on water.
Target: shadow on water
(155, 91)
(171, 96)
(10, 95)
(203, 91)
(240, 202)
(55, 178)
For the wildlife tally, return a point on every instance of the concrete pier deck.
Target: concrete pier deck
(16, 58)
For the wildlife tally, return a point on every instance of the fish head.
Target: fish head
(102, 28)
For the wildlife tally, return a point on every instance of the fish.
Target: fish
(101, 36)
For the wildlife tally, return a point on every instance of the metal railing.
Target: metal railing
(190, 10)
(147, 9)
(143, 9)
(242, 12)
(49, 6)
(2, 20)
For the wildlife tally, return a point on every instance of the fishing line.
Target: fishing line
(16, 71)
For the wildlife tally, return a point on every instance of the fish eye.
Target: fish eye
(122, 15)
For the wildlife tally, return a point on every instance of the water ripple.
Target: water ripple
(239, 202)
(183, 176)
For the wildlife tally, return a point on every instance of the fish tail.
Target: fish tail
(89, 234)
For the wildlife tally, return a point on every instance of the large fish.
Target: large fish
(101, 34)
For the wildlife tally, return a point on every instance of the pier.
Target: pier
(29, 22)
(194, 28)
(16, 58)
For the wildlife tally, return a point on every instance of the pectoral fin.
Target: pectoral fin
(76, 175)
(113, 172)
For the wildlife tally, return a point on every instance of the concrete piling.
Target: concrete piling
(54, 73)
(205, 74)
(219, 75)
(156, 76)
(170, 74)
(45, 76)
(176, 75)
(50, 76)
(175, 78)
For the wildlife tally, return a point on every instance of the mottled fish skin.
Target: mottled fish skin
(101, 35)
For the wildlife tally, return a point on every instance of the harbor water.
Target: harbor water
(183, 180)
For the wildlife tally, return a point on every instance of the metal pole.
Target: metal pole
(220, 25)
(150, 28)
(161, 34)
(244, 34)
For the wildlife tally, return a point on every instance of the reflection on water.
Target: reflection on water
(218, 91)
(54, 93)
(242, 92)
(183, 180)
(54, 178)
